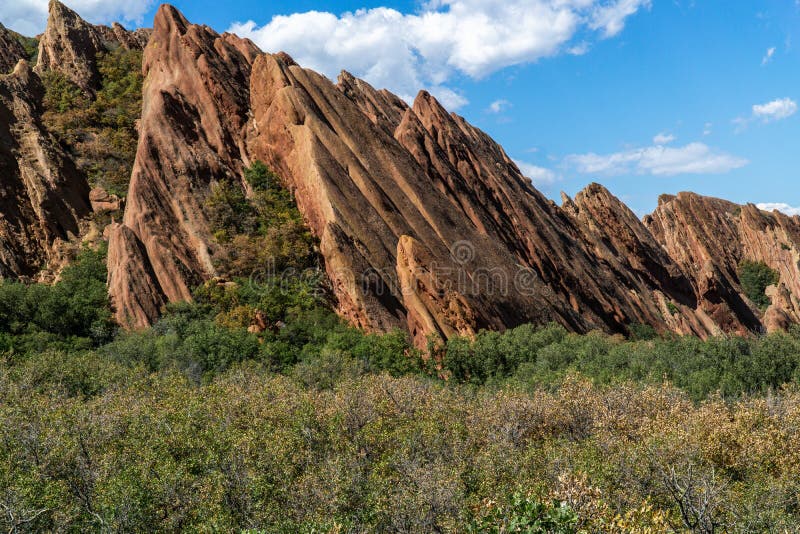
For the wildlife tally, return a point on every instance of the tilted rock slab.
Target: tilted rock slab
(42, 195)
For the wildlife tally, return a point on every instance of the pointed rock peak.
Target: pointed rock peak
(168, 18)
(346, 78)
(60, 16)
(426, 105)
(595, 189)
(286, 59)
(665, 199)
(57, 9)
(568, 205)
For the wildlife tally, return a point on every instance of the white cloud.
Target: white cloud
(406, 52)
(663, 139)
(694, 158)
(776, 110)
(29, 17)
(768, 56)
(499, 106)
(539, 176)
(708, 129)
(780, 206)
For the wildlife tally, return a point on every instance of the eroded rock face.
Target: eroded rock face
(195, 111)
(11, 50)
(424, 222)
(42, 195)
(72, 46)
(709, 238)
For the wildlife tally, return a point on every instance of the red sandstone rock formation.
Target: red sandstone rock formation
(42, 195)
(709, 238)
(195, 112)
(424, 221)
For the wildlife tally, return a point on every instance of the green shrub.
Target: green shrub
(62, 96)
(755, 278)
(260, 177)
(523, 513)
(74, 309)
(264, 235)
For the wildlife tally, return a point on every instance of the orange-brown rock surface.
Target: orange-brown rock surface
(195, 111)
(424, 222)
(71, 45)
(42, 195)
(709, 238)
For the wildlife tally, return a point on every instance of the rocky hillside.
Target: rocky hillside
(423, 222)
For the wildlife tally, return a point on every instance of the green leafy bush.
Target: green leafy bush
(525, 514)
(755, 278)
(73, 313)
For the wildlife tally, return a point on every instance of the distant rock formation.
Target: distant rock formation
(709, 238)
(72, 46)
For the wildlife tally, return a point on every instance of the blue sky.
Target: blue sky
(643, 96)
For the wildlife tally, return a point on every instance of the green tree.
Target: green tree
(755, 278)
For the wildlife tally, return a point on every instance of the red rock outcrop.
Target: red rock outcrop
(42, 195)
(709, 238)
(424, 222)
(72, 46)
(195, 111)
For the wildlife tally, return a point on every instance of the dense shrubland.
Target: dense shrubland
(99, 131)
(304, 424)
(313, 426)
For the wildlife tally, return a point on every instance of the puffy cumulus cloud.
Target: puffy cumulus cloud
(29, 17)
(539, 176)
(776, 110)
(406, 52)
(658, 160)
(779, 206)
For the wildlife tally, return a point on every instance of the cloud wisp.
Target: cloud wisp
(657, 160)
(448, 38)
(499, 106)
(663, 139)
(779, 206)
(768, 56)
(539, 176)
